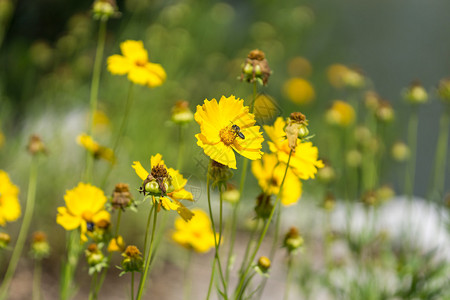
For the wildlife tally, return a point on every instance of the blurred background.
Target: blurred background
(47, 49)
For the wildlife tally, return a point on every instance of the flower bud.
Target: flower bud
(256, 68)
(39, 245)
(385, 112)
(4, 240)
(104, 9)
(292, 240)
(326, 174)
(296, 127)
(400, 152)
(132, 261)
(353, 79)
(94, 255)
(231, 194)
(152, 187)
(181, 114)
(329, 202)
(264, 264)
(371, 100)
(354, 158)
(416, 93)
(36, 146)
(219, 174)
(443, 90)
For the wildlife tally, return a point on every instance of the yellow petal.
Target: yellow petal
(140, 171)
(134, 50)
(219, 152)
(178, 181)
(101, 215)
(182, 195)
(119, 65)
(157, 160)
(138, 75)
(167, 204)
(250, 146)
(157, 75)
(66, 220)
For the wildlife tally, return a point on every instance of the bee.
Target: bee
(90, 226)
(237, 131)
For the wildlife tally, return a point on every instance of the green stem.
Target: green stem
(31, 196)
(412, 143)
(249, 245)
(181, 147)
(216, 243)
(437, 186)
(187, 278)
(288, 278)
(73, 250)
(211, 279)
(37, 279)
(93, 285)
(122, 129)
(95, 83)
(149, 219)
(239, 289)
(132, 285)
(148, 258)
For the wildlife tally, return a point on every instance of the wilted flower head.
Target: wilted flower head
(165, 185)
(256, 68)
(135, 63)
(132, 260)
(9, 201)
(121, 197)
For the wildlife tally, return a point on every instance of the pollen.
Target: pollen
(227, 135)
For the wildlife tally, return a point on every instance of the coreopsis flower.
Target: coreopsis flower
(85, 209)
(269, 173)
(132, 260)
(9, 201)
(225, 126)
(165, 185)
(98, 151)
(341, 113)
(299, 91)
(116, 244)
(135, 63)
(195, 234)
(304, 161)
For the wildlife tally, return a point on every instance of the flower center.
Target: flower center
(87, 216)
(227, 135)
(140, 63)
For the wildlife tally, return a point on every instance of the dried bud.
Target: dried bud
(219, 174)
(94, 255)
(121, 197)
(39, 245)
(105, 9)
(4, 240)
(296, 128)
(181, 114)
(416, 93)
(263, 206)
(256, 68)
(132, 261)
(36, 146)
(292, 240)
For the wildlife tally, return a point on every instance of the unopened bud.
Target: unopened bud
(443, 90)
(4, 240)
(181, 113)
(415, 94)
(400, 152)
(264, 263)
(36, 146)
(39, 245)
(292, 240)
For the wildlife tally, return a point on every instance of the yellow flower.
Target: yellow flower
(336, 73)
(97, 151)
(270, 172)
(304, 161)
(134, 62)
(299, 90)
(196, 234)
(9, 201)
(85, 207)
(225, 126)
(169, 184)
(116, 244)
(341, 114)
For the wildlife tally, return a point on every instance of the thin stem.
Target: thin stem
(239, 289)
(249, 245)
(37, 279)
(412, 143)
(31, 196)
(211, 279)
(181, 146)
(288, 278)
(216, 243)
(122, 128)
(132, 285)
(95, 83)
(73, 250)
(148, 259)
(93, 285)
(187, 278)
(149, 219)
(116, 233)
